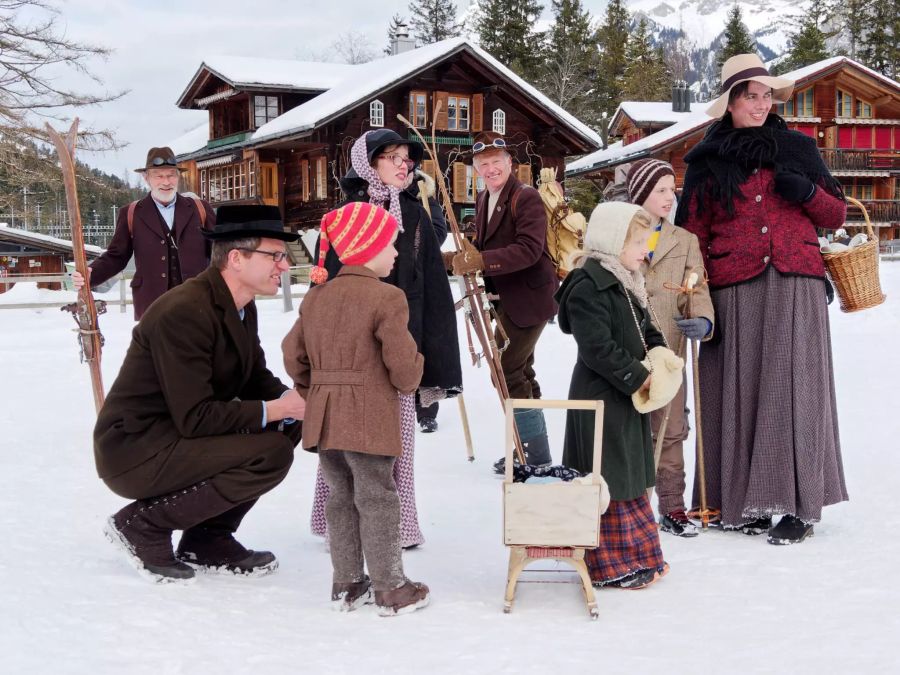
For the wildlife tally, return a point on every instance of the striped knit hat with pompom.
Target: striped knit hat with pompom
(357, 231)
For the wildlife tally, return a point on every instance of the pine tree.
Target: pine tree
(613, 38)
(854, 18)
(506, 30)
(571, 57)
(736, 39)
(396, 22)
(646, 76)
(880, 50)
(433, 20)
(806, 45)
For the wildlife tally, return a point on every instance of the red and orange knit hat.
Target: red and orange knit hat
(357, 231)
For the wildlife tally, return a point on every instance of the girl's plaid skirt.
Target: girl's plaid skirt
(629, 541)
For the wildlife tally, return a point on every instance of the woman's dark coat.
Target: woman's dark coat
(432, 317)
(594, 309)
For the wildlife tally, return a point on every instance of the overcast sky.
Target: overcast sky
(158, 46)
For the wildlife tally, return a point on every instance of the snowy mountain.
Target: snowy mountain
(704, 20)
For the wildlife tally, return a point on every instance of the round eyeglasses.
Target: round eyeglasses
(398, 160)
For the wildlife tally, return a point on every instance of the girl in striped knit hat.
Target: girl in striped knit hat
(674, 254)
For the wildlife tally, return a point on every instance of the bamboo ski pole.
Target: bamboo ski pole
(85, 310)
(479, 313)
(470, 450)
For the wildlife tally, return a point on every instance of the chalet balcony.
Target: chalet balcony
(880, 211)
(840, 160)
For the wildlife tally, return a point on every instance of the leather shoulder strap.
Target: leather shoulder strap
(130, 218)
(201, 210)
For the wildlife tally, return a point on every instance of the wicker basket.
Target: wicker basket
(855, 271)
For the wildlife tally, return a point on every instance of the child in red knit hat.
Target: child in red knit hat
(349, 354)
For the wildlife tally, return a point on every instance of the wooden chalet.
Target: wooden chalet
(852, 112)
(280, 132)
(32, 254)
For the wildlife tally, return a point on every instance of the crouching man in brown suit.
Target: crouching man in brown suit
(196, 428)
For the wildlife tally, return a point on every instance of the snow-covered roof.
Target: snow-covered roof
(650, 111)
(191, 141)
(806, 72)
(248, 72)
(619, 153)
(369, 79)
(26, 236)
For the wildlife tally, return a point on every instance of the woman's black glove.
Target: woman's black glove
(794, 187)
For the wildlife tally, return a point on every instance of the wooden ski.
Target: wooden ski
(85, 310)
(474, 301)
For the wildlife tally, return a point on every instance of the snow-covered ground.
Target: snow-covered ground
(732, 604)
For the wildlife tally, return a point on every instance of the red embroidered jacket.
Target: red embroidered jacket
(765, 229)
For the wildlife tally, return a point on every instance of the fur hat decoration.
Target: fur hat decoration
(666, 368)
(643, 175)
(608, 227)
(357, 231)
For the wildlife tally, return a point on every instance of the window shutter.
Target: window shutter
(477, 112)
(321, 178)
(428, 168)
(460, 186)
(440, 117)
(304, 180)
(523, 173)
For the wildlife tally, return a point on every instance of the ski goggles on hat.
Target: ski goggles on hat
(498, 143)
(164, 161)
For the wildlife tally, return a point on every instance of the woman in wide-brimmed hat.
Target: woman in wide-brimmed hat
(754, 194)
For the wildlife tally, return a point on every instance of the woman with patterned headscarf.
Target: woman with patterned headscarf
(382, 171)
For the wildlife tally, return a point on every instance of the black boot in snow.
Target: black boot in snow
(753, 528)
(677, 523)
(210, 546)
(143, 529)
(789, 530)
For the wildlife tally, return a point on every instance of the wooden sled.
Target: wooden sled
(551, 521)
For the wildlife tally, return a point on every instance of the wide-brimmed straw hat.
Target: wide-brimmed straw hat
(744, 68)
(160, 158)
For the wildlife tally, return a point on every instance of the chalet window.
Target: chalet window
(376, 114)
(228, 183)
(418, 109)
(862, 192)
(265, 109)
(321, 178)
(474, 184)
(863, 109)
(843, 104)
(785, 109)
(498, 122)
(805, 103)
(457, 113)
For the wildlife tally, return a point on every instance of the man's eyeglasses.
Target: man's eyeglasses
(481, 147)
(164, 161)
(277, 256)
(398, 160)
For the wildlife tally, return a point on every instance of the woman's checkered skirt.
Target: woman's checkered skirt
(410, 534)
(629, 541)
